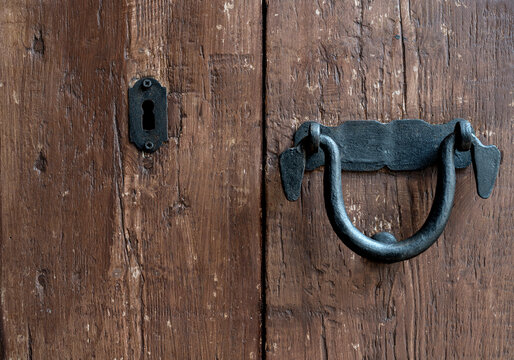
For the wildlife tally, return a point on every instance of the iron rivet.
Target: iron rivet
(149, 145)
(147, 83)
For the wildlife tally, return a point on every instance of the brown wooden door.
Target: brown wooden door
(193, 252)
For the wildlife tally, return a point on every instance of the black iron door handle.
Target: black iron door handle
(400, 145)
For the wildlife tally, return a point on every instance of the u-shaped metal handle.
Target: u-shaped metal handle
(383, 246)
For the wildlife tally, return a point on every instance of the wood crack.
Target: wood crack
(263, 281)
(324, 349)
(362, 70)
(29, 344)
(130, 258)
(404, 65)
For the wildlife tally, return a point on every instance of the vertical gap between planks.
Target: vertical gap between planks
(263, 181)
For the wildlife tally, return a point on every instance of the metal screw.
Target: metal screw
(147, 83)
(149, 145)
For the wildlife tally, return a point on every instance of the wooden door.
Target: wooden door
(109, 253)
(336, 61)
(193, 252)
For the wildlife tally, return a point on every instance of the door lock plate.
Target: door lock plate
(148, 114)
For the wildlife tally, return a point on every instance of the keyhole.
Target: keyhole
(148, 115)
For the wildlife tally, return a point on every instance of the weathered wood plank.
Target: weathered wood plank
(107, 252)
(334, 61)
(193, 208)
(61, 76)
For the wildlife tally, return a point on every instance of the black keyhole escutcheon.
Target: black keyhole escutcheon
(148, 115)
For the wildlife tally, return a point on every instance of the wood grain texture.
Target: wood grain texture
(333, 61)
(112, 254)
(105, 252)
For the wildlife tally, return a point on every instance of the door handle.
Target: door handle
(399, 145)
